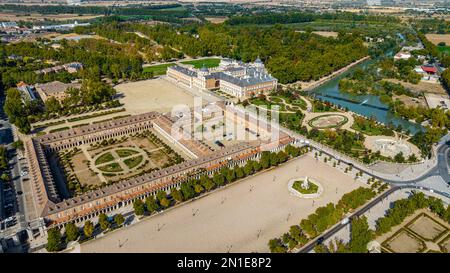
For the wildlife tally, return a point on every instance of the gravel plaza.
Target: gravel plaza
(239, 218)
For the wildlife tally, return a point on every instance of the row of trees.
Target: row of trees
(57, 241)
(405, 207)
(225, 175)
(4, 164)
(322, 219)
(360, 236)
(301, 17)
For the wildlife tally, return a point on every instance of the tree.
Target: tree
(177, 195)
(4, 177)
(256, 166)
(282, 156)
(248, 168)
(274, 160)
(165, 202)
(198, 188)
(119, 219)
(103, 221)
(399, 158)
(361, 235)
(207, 182)
(151, 204)
(187, 190)
(72, 232)
(52, 105)
(231, 175)
(218, 179)
(276, 246)
(139, 208)
(18, 145)
(160, 195)
(88, 229)
(265, 160)
(53, 240)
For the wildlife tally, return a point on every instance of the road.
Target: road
(439, 169)
(16, 199)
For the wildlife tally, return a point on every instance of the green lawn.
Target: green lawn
(134, 161)
(113, 167)
(159, 69)
(210, 62)
(298, 187)
(125, 152)
(104, 158)
(445, 49)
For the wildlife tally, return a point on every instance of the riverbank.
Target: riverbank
(308, 86)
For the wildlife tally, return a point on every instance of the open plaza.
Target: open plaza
(239, 218)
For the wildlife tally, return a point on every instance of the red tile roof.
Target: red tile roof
(429, 69)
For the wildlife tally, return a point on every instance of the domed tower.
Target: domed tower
(258, 64)
(204, 71)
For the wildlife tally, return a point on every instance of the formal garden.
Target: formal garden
(328, 121)
(93, 166)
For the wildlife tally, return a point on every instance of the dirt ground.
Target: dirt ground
(409, 101)
(232, 218)
(405, 243)
(326, 33)
(425, 87)
(437, 38)
(327, 121)
(216, 20)
(435, 100)
(426, 227)
(152, 95)
(57, 36)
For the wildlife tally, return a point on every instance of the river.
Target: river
(366, 105)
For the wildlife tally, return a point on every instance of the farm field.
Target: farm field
(437, 38)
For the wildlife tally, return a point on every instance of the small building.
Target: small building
(402, 56)
(55, 89)
(27, 91)
(8, 25)
(73, 67)
(69, 67)
(429, 69)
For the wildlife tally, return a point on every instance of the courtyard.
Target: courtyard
(158, 95)
(91, 166)
(241, 217)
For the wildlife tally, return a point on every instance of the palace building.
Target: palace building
(56, 211)
(241, 80)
